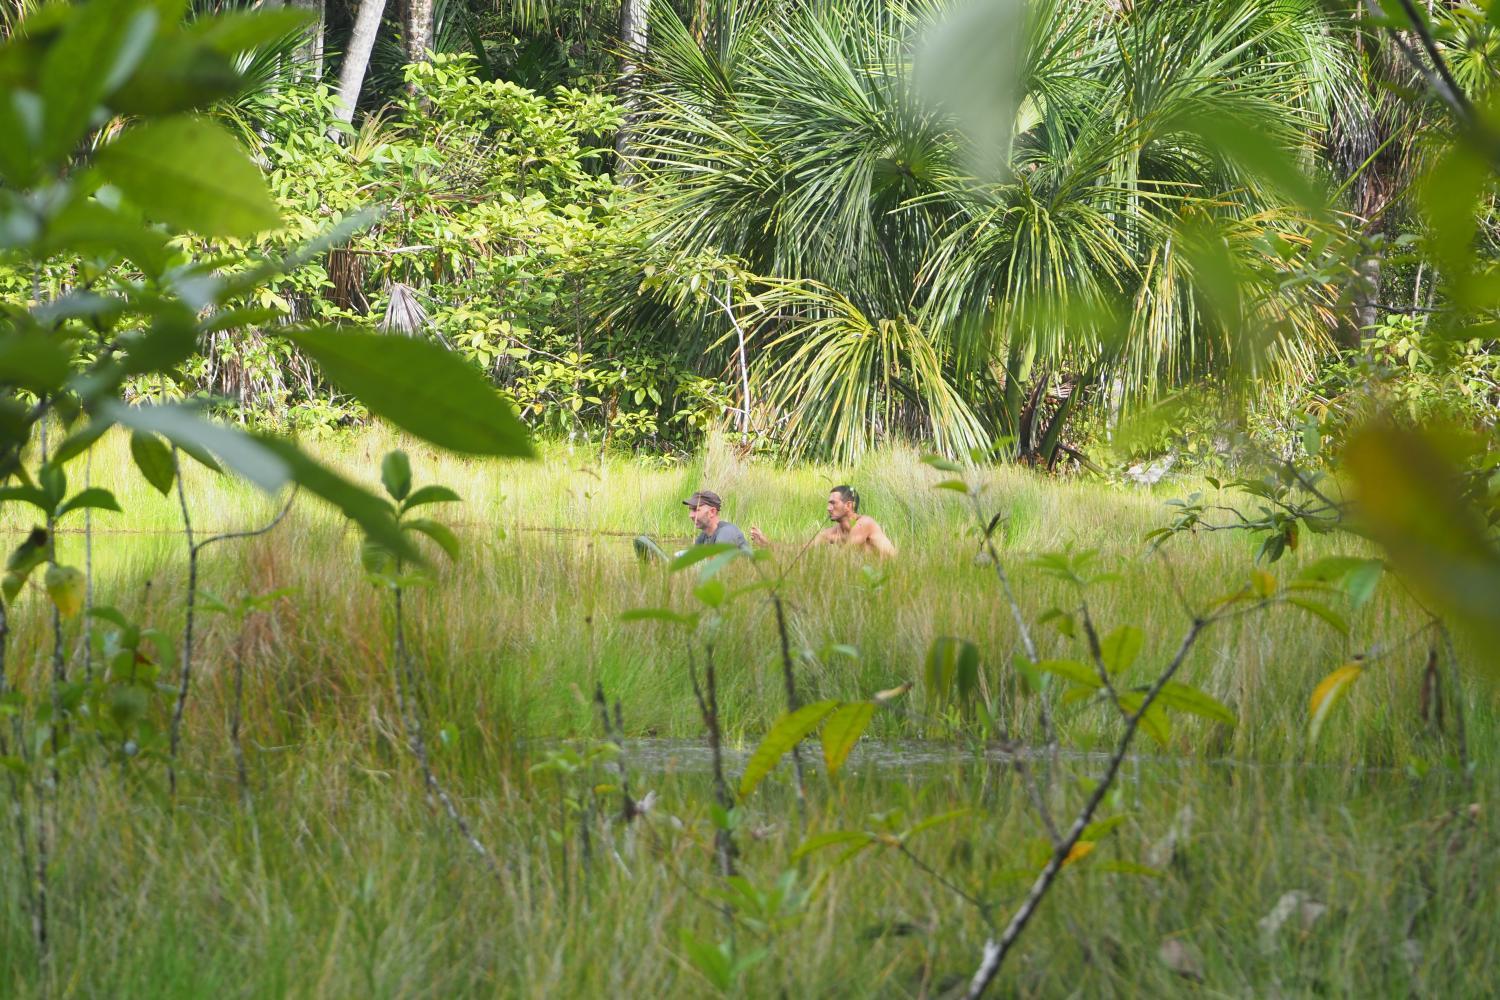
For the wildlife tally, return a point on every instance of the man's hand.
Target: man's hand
(757, 536)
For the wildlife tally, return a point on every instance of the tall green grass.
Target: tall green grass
(342, 881)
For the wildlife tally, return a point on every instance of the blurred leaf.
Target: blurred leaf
(1185, 698)
(395, 474)
(932, 822)
(1327, 614)
(34, 361)
(1411, 499)
(154, 459)
(833, 838)
(842, 730)
(1121, 647)
(65, 585)
(439, 533)
(698, 553)
(189, 172)
(788, 731)
(429, 494)
(420, 387)
(711, 592)
(1329, 692)
(93, 497)
(1073, 670)
(98, 48)
(184, 427)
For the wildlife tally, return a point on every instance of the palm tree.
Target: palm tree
(801, 146)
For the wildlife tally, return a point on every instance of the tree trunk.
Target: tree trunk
(633, 37)
(309, 54)
(418, 30)
(357, 57)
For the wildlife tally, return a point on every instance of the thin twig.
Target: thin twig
(995, 950)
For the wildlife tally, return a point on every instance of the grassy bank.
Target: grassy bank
(341, 880)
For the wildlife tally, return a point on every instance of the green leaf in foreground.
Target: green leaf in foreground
(788, 731)
(842, 730)
(698, 553)
(420, 387)
(154, 459)
(1185, 698)
(188, 172)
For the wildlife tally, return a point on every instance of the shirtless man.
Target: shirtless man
(849, 527)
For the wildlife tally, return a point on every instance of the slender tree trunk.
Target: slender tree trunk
(357, 56)
(633, 38)
(418, 30)
(309, 55)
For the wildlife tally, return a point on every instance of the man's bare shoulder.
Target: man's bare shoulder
(867, 531)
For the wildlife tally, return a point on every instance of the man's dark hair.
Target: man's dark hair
(849, 494)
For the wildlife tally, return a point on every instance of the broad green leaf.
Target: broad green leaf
(942, 464)
(832, 838)
(80, 441)
(439, 533)
(698, 553)
(711, 592)
(1361, 581)
(94, 497)
(98, 48)
(955, 485)
(1329, 692)
(1120, 648)
(1411, 499)
(395, 474)
(711, 960)
(788, 731)
(232, 32)
(1185, 698)
(26, 494)
(93, 231)
(185, 428)
(189, 172)
(842, 730)
(65, 585)
(154, 459)
(34, 361)
(420, 387)
(1153, 721)
(1073, 670)
(1329, 569)
(109, 614)
(1335, 621)
(369, 511)
(429, 494)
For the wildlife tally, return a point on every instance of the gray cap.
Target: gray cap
(705, 496)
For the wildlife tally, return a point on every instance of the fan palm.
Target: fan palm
(801, 146)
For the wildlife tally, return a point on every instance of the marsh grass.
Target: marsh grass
(342, 881)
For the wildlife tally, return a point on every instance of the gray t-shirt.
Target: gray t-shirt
(724, 534)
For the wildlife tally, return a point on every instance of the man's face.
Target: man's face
(703, 516)
(838, 507)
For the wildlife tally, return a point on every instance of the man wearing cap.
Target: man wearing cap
(704, 506)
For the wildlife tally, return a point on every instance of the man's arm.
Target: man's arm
(867, 532)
